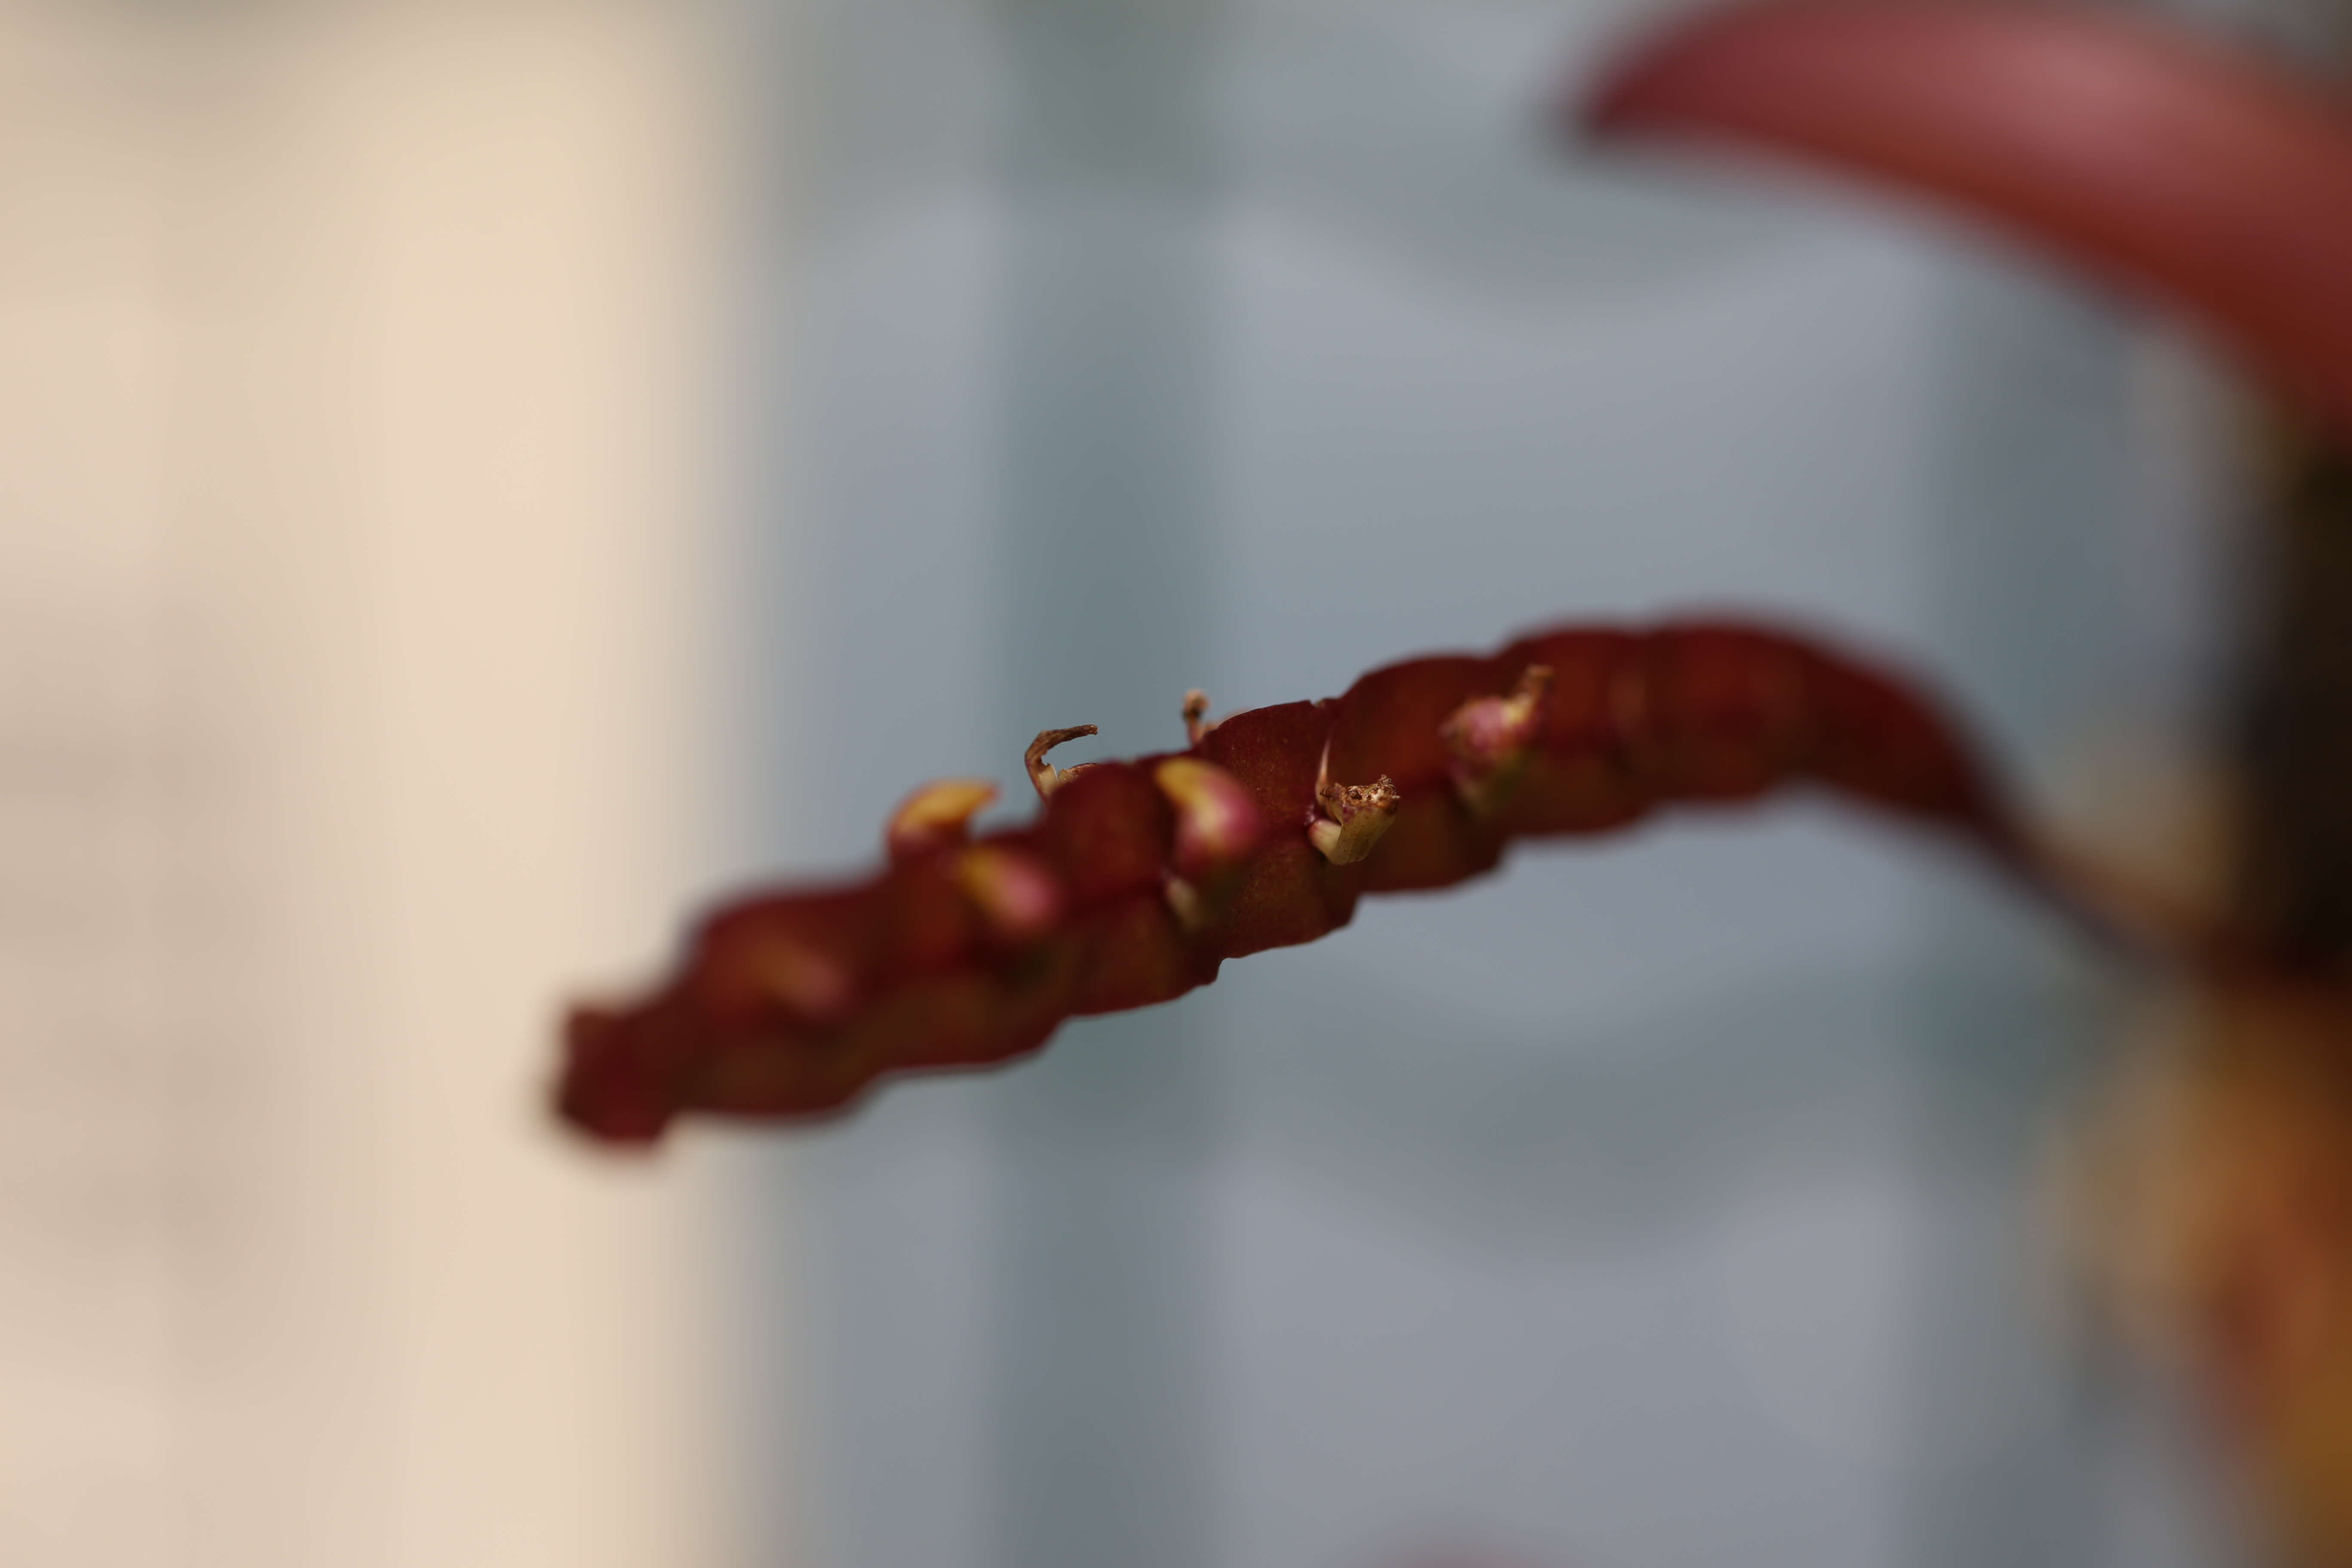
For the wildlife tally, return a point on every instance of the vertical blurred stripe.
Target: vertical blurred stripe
(1109, 310)
(356, 677)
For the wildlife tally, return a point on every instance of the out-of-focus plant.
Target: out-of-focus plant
(2150, 158)
(2154, 160)
(2192, 176)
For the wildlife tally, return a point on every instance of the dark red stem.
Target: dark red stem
(1138, 880)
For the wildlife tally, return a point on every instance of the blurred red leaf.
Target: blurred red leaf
(2148, 156)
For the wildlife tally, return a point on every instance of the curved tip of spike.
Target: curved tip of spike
(1044, 775)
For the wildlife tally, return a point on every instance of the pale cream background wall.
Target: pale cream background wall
(357, 670)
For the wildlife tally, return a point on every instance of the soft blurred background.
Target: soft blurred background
(477, 476)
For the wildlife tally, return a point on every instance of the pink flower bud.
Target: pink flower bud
(936, 816)
(1489, 739)
(1016, 894)
(1217, 822)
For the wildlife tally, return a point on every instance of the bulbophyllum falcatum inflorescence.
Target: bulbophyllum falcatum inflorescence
(1136, 879)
